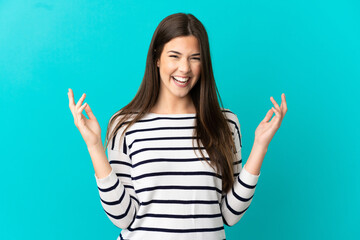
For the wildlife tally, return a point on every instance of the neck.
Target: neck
(174, 105)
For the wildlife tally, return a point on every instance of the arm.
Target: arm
(235, 203)
(238, 199)
(117, 194)
(113, 178)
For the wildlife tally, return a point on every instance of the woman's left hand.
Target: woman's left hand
(267, 129)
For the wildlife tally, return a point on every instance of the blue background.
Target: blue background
(309, 50)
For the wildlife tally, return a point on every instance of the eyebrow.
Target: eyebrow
(195, 54)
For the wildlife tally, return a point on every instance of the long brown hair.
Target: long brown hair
(212, 128)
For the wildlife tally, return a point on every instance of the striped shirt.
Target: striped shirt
(159, 189)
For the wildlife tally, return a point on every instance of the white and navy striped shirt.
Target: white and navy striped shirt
(158, 189)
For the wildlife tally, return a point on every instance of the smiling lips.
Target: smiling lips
(181, 81)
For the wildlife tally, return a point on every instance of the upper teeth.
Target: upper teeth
(181, 79)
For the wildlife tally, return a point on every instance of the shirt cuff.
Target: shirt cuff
(107, 181)
(248, 178)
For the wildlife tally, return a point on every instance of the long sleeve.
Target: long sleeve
(235, 203)
(117, 194)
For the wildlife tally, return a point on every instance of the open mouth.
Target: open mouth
(181, 81)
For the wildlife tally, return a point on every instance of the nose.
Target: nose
(184, 66)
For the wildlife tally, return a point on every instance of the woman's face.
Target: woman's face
(179, 67)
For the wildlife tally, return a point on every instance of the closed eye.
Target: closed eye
(174, 56)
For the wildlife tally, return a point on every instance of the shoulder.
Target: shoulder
(116, 130)
(119, 117)
(230, 116)
(227, 111)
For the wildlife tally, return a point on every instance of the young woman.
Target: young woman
(174, 167)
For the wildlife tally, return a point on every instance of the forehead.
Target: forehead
(183, 44)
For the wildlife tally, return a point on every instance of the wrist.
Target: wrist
(96, 146)
(257, 155)
(260, 146)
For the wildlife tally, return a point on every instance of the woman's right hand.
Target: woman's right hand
(89, 128)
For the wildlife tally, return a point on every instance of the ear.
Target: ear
(157, 63)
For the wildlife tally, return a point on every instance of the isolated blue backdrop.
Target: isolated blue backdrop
(309, 50)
